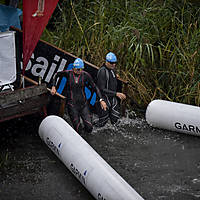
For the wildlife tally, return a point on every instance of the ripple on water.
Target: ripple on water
(159, 164)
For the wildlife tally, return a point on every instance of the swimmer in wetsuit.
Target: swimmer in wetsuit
(77, 104)
(107, 83)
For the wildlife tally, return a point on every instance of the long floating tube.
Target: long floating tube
(173, 116)
(99, 178)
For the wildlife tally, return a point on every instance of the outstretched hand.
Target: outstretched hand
(53, 90)
(103, 105)
(122, 96)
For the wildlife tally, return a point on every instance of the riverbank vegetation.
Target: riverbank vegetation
(157, 43)
(3, 160)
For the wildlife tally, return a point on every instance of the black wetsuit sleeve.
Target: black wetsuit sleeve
(58, 74)
(91, 82)
(102, 83)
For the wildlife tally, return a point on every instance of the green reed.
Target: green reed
(4, 160)
(156, 42)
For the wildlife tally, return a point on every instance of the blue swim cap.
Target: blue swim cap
(111, 57)
(78, 64)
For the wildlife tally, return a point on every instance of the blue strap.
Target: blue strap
(62, 85)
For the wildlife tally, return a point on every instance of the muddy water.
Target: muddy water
(158, 164)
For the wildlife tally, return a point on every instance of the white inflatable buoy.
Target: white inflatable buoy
(99, 178)
(173, 116)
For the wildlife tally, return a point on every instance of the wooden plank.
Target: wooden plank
(17, 116)
(32, 105)
(21, 94)
(63, 98)
(36, 83)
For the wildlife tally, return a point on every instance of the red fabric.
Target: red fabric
(34, 26)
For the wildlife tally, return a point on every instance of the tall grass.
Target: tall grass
(3, 160)
(157, 43)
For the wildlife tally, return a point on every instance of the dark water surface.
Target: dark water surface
(158, 164)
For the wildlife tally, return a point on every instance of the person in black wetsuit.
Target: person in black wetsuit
(107, 83)
(76, 101)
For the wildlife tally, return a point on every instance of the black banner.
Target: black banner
(47, 59)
